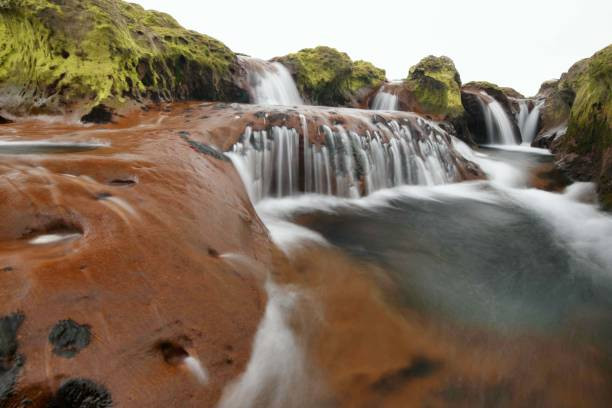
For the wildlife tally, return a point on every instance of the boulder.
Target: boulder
(585, 150)
(433, 89)
(56, 56)
(326, 76)
(471, 96)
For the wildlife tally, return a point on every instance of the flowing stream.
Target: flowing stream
(476, 294)
(270, 83)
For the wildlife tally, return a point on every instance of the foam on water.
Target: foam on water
(278, 374)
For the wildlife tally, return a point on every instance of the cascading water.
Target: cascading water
(530, 128)
(346, 164)
(528, 120)
(385, 99)
(521, 116)
(270, 83)
(499, 126)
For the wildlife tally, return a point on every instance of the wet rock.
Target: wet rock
(98, 114)
(420, 367)
(585, 150)
(205, 149)
(10, 361)
(81, 393)
(69, 338)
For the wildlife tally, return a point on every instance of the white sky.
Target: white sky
(518, 43)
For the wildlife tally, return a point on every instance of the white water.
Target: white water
(530, 128)
(194, 366)
(498, 124)
(384, 100)
(53, 238)
(278, 374)
(270, 83)
(346, 165)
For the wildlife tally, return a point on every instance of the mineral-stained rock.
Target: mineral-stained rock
(118, 238)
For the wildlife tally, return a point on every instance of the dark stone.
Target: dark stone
(103, 195)
(205, 149)
(81, 393)
(420, 367)
(98, 114)
(10, 361)
(7, 269)
(122, 182)
(4, 120)
(173, 353)
(68, 338)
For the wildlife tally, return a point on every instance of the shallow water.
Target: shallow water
(493, 290)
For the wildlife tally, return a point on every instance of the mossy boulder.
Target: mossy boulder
(436, 86)
(586, 148)
(326, 76)
(54, 54)
(559, 95)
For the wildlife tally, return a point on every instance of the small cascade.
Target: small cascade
(499, 126)
(385, 100)
(345, 164)
(270, 83)
(527, 120)
(530, 128)
(387, 97)
(521, 116)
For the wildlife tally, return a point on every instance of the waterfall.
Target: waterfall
(530, 128)
(528, 121)
(385, 99)
(499, 126)
(523, 112)
(270, 83)
(346, 164)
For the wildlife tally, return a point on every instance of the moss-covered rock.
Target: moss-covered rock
(326, 76)
(586, 148)
(55, 53)
(436, 86)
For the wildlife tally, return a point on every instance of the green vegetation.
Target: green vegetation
(436, 85)
(589, 131)
(54, 53)
(327, 76)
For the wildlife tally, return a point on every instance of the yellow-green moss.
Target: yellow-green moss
(365, 75)
(436, 85)
(589, 131)
(329, 77)
(53, 54)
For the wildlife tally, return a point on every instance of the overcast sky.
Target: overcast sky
(518, 43)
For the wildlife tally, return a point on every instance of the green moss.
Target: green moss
(329, 77)
(590, 121)
(436, 85)
(365, 75)
(483, 85)
(589, 131)
(55, 53)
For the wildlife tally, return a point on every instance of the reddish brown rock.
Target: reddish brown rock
(144, 221)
